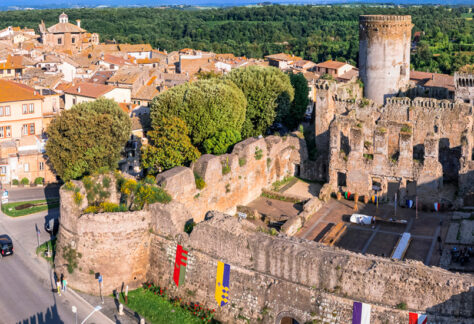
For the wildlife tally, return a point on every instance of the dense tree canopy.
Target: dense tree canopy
(316, 33)
(169, 145)
(206, 107)
(87, 137)
(267, 90)
(294, 116)
(222, 141)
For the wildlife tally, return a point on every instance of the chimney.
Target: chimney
(78, 21)
(78, 89)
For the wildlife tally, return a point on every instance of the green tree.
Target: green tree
(294, 116)
(267, 90)
(86, 138)
(206, 107)
(169, 145)
(221, 141)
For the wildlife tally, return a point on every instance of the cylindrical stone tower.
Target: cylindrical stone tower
(384, 55)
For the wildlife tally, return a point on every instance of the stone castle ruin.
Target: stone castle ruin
(410, 147)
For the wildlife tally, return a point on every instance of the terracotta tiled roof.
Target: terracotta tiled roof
(87, 89)
(349, 74)
(302, 63)
(127, 107)
(101, 77)
(436, 80)
(126, 76)
(146, 93)
(11, 63)
(148, 61)
(283, 57)
(63, 86)
(135, 48)
(65, 28)
(12, 91)
(331, 64)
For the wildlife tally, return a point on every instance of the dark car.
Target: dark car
(6, 245)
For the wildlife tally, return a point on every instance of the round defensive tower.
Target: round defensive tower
(384, 55)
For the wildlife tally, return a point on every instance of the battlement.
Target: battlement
(424, 103)
(384, 18)
(463, 79)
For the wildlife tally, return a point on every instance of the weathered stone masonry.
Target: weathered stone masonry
(270, 276)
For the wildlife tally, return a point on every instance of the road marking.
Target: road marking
(366, 246)
(317, 222)
(433, 244)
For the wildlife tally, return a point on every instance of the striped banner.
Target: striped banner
(222, 283)
(361, 313)
(416, 318)
(180, 263)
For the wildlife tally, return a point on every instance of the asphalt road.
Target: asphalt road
(26, 284)
(33, 193)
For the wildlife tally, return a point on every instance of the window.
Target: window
(60, 41)
(41, 166)
(26, 167)
(3, 169)
(9, 71)
(1, 111)
(73, 40)
(7, 111)
(25, 109)
(73, 101)
(24, 130)
(32, 129)
(32, 108)
(1, 71)
(5, 131)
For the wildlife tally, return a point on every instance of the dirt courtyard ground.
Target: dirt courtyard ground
(380, 239)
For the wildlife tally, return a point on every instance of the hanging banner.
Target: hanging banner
(436, 206)
(361, 313)
(180, 265)
(415, 318)
(409, 203)
(222, 283)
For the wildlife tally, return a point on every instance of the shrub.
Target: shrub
(402, 306)
(78, 198)
(25, 181)
(149, 179)
(222, 141)
(106, 182)
(39, 181)
(109, 207)
(258, 153)
(368, 156)
(269, 163)
(87, 181)
(147, 194)
(69, 186)
(367, 145)
(364, 102)
(103, 170)
(200, 184)
(225, 167)
(15, 182)
(71, 256)
(92, 210)
(406, 129)
(188, 227)
(129, 186)
(242, 161)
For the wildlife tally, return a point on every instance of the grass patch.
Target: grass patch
(277, 185)
(15, 209)
(157, 309)
(41, 250)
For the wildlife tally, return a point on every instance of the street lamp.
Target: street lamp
(96, 309)
(74, 310)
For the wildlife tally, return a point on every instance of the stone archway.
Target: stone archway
(288, 318)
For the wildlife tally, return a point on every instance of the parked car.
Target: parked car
(6, 245)
(51, 226)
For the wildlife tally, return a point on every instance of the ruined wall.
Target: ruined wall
(382, 153)
(269, 276)
(279, 157)
(464, 87)
(384, 55)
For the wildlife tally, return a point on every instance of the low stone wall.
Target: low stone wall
(254, 164)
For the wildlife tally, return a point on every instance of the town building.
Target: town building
(87, 92)
(65, 36)
(282, 60)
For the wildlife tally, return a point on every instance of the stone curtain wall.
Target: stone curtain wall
(272, 276)
(269, 277)
(279, 157)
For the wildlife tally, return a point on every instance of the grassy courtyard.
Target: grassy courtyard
(16, 209)
(157, 309)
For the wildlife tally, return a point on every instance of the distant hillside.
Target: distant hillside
(314, 32)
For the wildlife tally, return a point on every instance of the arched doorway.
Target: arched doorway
(289, 320)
